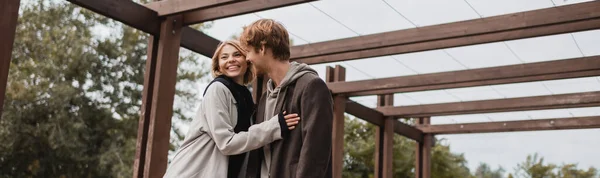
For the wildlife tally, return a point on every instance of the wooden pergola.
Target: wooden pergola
(167, 23)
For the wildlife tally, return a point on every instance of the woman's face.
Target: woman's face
(232, 63)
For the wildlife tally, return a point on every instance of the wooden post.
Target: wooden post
(146, 109)
(9, 13)
(384, 139)
(157, 105)
(423, 152)
(379, 151)
(339, 106)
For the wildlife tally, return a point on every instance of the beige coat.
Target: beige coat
(211, 139)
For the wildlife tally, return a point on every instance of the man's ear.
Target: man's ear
(262, 50)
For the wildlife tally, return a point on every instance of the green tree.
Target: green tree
(73, 99)
(571, 171)
(359, 149)
(485, 171)
(534, 167)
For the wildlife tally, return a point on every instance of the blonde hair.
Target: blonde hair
(250, 73)
(269, 33)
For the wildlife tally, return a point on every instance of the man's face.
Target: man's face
(258, 59)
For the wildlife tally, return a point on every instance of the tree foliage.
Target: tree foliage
(359, 150)
(485, 171)
(535, 167)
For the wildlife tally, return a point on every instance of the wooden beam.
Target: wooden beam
(167, 59)
(551, 70)
(127, 12)
(550, 21)
(145, 19)
(365, 113)
(146, 109)
(423, 151)
(514, 126)
(375, 117)
(240, 8)
(586, 99)
(408, 131)
(199, 42)
(339, 107)
(557, 76)
(9, 13)
(170, 7)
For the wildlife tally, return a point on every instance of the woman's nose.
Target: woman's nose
(230, 59)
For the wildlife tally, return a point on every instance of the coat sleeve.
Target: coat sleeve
(317, 120)
(219, 122)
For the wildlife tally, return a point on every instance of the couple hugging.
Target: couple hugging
(287, 135)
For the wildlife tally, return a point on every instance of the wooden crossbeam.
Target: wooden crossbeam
(550, 70)
(145, 19)
(408, 131)
(234, 9)
(513, 126)
(550, 21)
(586, 99)
(199, 42)
(124, 11)
(170, 7)
(375, 117)
(365, 113)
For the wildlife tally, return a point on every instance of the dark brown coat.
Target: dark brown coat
(306, 151)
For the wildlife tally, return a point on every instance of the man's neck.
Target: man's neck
(278, 71)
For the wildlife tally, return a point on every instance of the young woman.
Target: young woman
(221, 132)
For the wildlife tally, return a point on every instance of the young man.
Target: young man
(305, 152)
